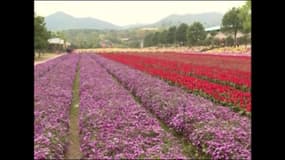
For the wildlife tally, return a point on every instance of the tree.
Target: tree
(171, 35)
(41, 35)
(162, 37)
(181, 33)
(232, 23)
(245, 16)
(148, 40)
(155, 38)
(58, 34)
(196, 33)
(134, 44)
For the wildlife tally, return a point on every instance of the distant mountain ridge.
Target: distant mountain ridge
(207, 19)
(63, 21)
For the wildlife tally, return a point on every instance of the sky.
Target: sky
(132, 12)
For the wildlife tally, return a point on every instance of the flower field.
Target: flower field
(204, 76)
(113, 125)
(53, 96)
(41, 69)
(137, 105)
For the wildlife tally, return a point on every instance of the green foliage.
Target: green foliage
(41, 34)
(134, 44)
(148, 40)
(232, 22)
(58, 34)
(155, 38)
(208, 41)
(229, 41)
(85, 38)
(162, 37)
(196, 34)
(216, 42)
(244, 39)
(91, 38)
(245, 16)
(213, 33)
(181, 33)
(171, 35)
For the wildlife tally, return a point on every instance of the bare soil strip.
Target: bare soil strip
(73, 149)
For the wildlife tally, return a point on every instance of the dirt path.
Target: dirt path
(43, 61)
(73, 149)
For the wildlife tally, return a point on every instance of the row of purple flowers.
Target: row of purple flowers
(43, 68)
(113, 125)
(52, 98)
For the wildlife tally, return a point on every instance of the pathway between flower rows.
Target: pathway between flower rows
(73, 150)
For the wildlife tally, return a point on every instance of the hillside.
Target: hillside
(207, 19)
(63, 21)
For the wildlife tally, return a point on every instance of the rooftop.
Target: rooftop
(56, 41)
(214, 28)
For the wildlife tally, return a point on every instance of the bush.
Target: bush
(244, 40)
(230, 41)
(216, 42)
(69, 50)
(209, 41)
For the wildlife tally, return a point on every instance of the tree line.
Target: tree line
(181, 35)
(234, 21)
(41, 35)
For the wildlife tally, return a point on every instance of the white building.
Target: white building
(149, 29)
(214, 28)
(56, 41)
(219, 34)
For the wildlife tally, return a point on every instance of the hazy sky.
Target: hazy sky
(132, 12)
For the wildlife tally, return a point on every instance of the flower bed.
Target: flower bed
(215, 130)
(53, 96)
(113, 125)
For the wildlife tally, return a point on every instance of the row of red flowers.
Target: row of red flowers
(218, 93)
(234, 78)
(240, 63)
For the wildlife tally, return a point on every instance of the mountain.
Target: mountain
(207, 19)
(63, 21)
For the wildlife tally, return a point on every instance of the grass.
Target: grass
(73, 149)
